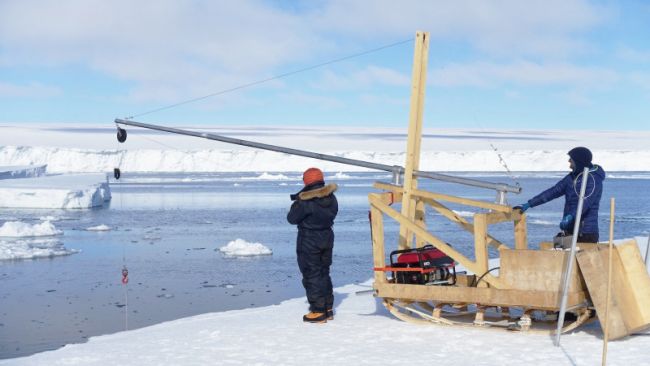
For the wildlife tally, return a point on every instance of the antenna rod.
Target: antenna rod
(395, 169)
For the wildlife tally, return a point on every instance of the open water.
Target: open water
(167, 228)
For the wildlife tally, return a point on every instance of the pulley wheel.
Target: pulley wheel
(117, 173)
(121, 134)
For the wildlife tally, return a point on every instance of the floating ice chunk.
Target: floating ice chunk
(101, 227)
(464, 213)
(17, 229)
(242, 248)
(267, 176)
(34, 248)
(22, 171)
(339, 175)
(59, 191)
(49, 218)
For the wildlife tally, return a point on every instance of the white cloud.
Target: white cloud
(31, 90)
(485, 74)
(172, 50)
(362, 78)
(633, 55)
(544, 28)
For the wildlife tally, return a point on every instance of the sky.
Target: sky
(565, 64)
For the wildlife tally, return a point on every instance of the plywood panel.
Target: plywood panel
(538, 270)
(593, 266)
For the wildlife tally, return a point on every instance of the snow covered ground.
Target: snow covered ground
(57, 191)
(95, 149)
(361, 333)
(28, 171)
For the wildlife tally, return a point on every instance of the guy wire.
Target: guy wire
(272, 78)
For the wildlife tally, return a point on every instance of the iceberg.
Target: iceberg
(71, 191)
(26, 171)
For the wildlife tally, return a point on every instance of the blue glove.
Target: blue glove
(523, 207)
(566, 222)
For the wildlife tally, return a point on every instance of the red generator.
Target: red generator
(422, 266)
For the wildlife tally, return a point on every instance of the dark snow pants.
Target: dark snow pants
(314, 249)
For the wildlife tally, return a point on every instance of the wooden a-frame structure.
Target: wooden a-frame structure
(529, 282)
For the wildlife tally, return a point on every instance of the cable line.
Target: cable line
(272, 78)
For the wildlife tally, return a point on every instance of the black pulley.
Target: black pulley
(121, 134)
(117, 173)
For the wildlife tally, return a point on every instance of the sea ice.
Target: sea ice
(18, 229)
(33, 248)
(101, 227)
(57, 191)
(242, 248)
(28, 171)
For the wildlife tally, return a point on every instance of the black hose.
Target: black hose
(475, 283)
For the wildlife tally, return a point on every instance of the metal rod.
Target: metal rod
(337, 159)
(612, 205)
(572, 256)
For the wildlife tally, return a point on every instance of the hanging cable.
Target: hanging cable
(243, 86)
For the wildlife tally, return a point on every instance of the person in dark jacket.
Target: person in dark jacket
(569, 187)
(314, 210)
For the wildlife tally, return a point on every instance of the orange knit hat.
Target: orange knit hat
(312, 175)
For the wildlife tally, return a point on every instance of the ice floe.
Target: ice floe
(56, 191)
(33, 248)
(27, 171)
(101, 227)
(242, 248)
(18, 229)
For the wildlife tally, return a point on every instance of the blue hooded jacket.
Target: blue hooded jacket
(569, 187)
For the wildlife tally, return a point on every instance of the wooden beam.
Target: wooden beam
(462, 201)
(454, 217)
(480, 245)
(543, 300)
(521, 233)
(378, 250)
(499, 217)
(429, 238)
(418, 86)
(445, 197)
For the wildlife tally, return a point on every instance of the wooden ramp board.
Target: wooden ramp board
(593, 265)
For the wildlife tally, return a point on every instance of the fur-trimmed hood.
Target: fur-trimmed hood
(318, 192)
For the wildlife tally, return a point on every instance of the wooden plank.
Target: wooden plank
(429, 238)
(521, 236)
(543, 300)
(378, 250)
(446, 197)
(420, 221)
(480, 245)
(537, 270)
(637, 284)
(497, 217)
(592, 265)
(462, 201)
(454, 217)
(418, 87)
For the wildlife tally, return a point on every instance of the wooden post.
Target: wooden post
(418, 86)
(609, 279)
(521, 239)
(378, 251)
(480, 244)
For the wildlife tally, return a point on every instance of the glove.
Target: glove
(523, 207)
(565, 224)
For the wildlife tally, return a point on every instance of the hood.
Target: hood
(319, 192)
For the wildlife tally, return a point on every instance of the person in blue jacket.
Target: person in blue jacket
(569, 187)
(313, 210)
